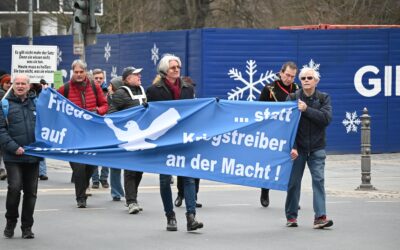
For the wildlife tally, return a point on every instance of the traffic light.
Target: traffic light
(84, 15)
(81, 13)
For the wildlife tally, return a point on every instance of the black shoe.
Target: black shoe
(9, 230)
(264, 199)
(95, 185)
(104, 184)
(171, 223)
(116, 198)
(192, 223)
(3, 174)
(43, 177)
(178, 201)
(27, 233)
(199, 205)
(81, 204)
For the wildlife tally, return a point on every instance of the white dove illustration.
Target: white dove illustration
(135, 137)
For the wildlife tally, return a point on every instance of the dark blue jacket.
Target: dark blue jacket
(19, 131)
(313, 122)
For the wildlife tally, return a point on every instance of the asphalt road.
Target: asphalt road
(232, 215)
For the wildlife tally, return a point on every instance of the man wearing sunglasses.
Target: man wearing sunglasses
(172, 87)
(309, 147)
(278, 92)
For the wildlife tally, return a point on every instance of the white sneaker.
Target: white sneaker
(133, 208)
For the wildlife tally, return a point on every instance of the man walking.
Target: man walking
(278, 92)
(17, 129)
(87, 95)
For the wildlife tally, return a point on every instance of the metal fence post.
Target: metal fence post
(365, 152)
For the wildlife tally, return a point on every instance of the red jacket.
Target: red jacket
(88, 101)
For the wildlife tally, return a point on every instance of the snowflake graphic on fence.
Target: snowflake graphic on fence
(114, 72)
(250, 86)
(59, 56)
(107, 51)
(154, 54)
(351, 122)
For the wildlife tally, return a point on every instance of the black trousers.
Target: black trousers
(82, 173)
(131, 183)
(21, 176)
(179, 185)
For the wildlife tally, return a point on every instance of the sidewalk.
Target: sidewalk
(343, 176)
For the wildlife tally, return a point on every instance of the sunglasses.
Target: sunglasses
(175, 67)
(308, 78)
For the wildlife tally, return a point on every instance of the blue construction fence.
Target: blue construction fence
(359, 68)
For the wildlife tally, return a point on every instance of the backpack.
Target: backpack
(5, 106)
(66, 89)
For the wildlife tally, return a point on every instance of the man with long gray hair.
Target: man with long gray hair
(171, 87)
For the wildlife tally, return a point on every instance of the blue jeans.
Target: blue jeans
(42, 167)
(166, 194)
(316, 164)
(115, 181)
(103, 174)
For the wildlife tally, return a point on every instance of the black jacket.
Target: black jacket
(274, 92)
(313, 122)
(121, 99)
(19, 131)
(160, 92)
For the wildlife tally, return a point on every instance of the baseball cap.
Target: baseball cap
(129, 71)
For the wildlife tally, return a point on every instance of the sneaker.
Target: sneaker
(27, 233)
(291, 223)
(133, 208)
(3, 174)
(322, 222)
(95, 185)
(43, 177)
(9, 230)
(104, 184)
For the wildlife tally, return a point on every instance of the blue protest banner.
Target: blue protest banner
(238, 142)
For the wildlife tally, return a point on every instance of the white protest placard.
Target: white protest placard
(36, 61)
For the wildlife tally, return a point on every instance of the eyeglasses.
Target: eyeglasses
(175, 67)
(308, 78)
